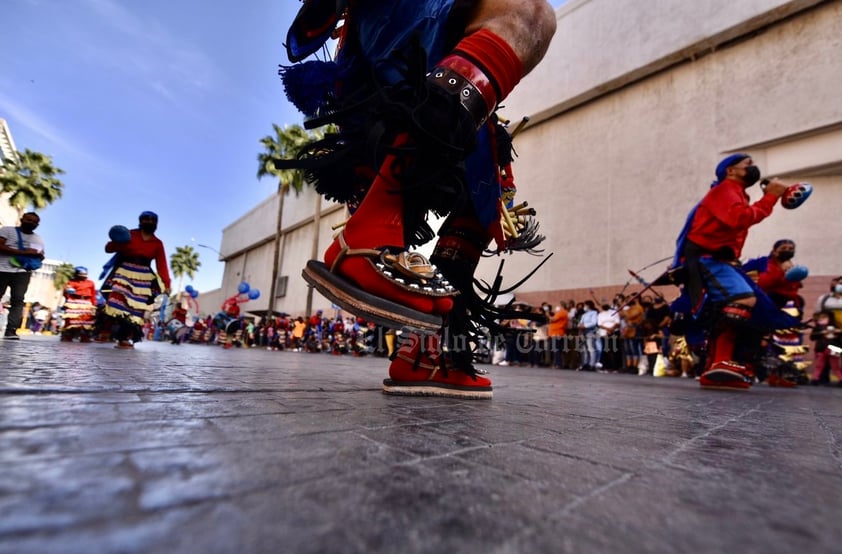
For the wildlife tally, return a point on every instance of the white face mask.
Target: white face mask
(837, 288)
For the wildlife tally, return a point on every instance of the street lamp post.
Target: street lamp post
(218, 253)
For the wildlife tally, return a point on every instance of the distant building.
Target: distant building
(248, 250)
(8, 215)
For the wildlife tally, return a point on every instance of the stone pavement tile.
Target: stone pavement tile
(197, 449)
(436, 505)
(374, 500)
(183, 476)
(26, 411)
(53, 366)
(610, 445)
(170, 425)
(29, 411)
(142, 533)
(105, 438)
(561, 479)
(41, 496)
(673, 511)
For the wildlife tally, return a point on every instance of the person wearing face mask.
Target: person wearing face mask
(79, 307)
(832, 302)
(778, 276)
(16, 242)
(722, 296)
(132, 285)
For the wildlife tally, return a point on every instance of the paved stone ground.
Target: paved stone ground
(198, 449)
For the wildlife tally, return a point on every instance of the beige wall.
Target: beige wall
(248, 247)
(8, 215)
(601, 45)
(613, 178)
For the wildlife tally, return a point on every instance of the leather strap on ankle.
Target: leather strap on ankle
(475, 92)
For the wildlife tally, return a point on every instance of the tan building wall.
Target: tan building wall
(248, 249)
(635, 104)
(41, 287)
(8, 215)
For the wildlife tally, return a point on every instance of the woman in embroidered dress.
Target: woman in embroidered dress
(132, 286)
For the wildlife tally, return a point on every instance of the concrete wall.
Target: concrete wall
(614, 177)
(602, 45)
(248, 246)
(8, 215)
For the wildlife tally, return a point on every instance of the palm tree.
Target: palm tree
(63, 274)
(286, 144)
(31, 180)
(185, 261)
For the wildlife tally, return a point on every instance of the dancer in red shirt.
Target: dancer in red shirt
(778, 276)
(132, 286)
(79, 307)
(719, 290)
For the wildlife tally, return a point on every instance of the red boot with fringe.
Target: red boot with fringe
(419, 369)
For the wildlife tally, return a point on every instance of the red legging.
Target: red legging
(833, 361)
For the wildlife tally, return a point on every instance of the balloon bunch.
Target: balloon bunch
(244, 294)
(191, 295)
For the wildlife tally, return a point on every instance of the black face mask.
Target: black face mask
(752, 175)
(785, 255)
(27, 228)
(148, 227)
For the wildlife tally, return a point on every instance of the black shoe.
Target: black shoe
(11, 337)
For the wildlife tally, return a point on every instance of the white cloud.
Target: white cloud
(141, 48)
(26, 117)
(58, 143)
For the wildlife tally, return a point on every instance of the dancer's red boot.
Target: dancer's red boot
(420, 369)
(724, 373)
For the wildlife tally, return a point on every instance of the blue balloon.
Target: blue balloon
(119, 233)
(254, 294)
(796, 273)
(194, 293)
(243, 288)
(188, 289)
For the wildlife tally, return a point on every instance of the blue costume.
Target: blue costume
(715, 285)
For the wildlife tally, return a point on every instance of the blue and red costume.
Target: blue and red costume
(709, 248)
(772, 279)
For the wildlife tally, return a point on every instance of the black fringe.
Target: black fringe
(342, 165)
(476, 322)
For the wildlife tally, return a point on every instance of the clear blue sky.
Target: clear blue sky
(147, 105)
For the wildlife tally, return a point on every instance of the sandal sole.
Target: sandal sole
(427, 388)
(355, 300)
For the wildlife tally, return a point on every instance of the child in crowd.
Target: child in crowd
(828, 347)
